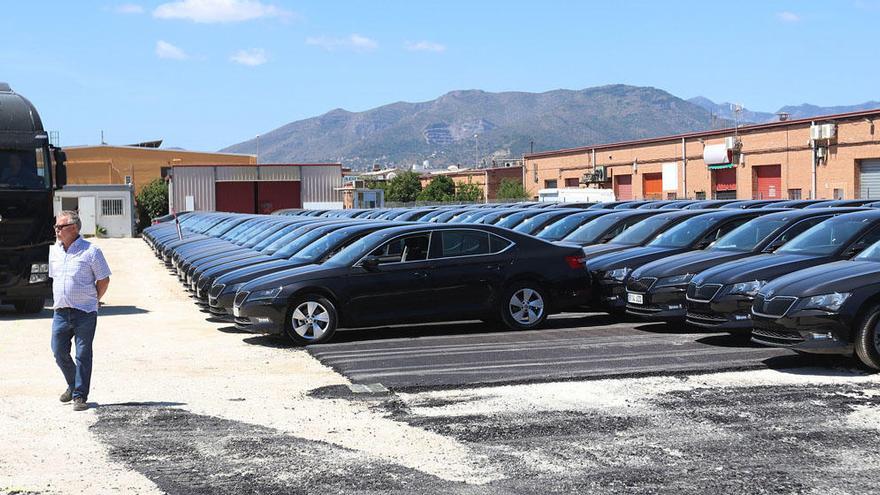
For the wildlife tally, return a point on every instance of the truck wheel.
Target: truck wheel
(867, 339)
(311, 319)
(524, 306)
(29, 306)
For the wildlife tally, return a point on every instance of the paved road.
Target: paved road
(572, 346)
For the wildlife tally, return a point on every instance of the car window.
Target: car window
(684, 233)
(592, 231)
(462, 243)
(408, 248)
(641, 231)
(748, 235)
(798, 229)
(826, 237)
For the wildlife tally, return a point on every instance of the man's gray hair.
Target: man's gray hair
(72, 217)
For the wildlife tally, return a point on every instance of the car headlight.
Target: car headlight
(826, 302)
(618, 274)
(260, 295)
(675, 280)
(747, 288)
(40, 268)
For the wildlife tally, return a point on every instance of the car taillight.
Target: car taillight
(576, 262)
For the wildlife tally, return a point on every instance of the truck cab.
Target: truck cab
(30, 172)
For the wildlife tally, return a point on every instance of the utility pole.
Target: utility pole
(476, 151)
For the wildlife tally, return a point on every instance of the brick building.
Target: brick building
(833, 156)
(487, 179)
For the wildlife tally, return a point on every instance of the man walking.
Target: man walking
(80, 277)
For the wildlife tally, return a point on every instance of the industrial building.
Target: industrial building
(833, 156)
(487, 179)
(106, 210)
(253, 188)
(137, 164)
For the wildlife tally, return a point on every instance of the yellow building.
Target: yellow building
(138, 164)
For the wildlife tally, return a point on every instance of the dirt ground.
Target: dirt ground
(183, 405)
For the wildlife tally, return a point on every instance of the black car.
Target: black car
(418, 273)
(641, 233)
(564, 226)
(827, 309)
(606, 227)
(534, 225)
(611, 271)
(709, 204)
(840, 202)
(656, 291)
(721, 298)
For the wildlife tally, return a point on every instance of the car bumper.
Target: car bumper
(815, 334)
(609, 296)
(661, 304)
(725, 313)
(263, 317)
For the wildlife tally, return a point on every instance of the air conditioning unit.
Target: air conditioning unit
(599, 173)
(732, 143)
(823, 132)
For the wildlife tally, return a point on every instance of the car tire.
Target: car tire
(524, 306)
(311, 319)
(29, 306)
(867, 339)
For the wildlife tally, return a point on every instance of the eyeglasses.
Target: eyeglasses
(59, 228)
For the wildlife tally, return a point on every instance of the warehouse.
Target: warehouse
(253, 188)
(833, 156)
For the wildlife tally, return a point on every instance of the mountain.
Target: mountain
(506, 124)
(725, 110)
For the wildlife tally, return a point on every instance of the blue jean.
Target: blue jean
(67, 324)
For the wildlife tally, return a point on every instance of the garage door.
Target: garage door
(768, 182)
(276, 195)
(652, 186)
(725, 183)
(236, 197)
(869, 179)
(623, 187)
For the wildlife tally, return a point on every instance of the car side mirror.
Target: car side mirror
(854, 250)
(703, 244)
(370, 264)
(60, 167)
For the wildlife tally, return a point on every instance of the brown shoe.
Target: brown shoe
(79, 404)
(67, 396)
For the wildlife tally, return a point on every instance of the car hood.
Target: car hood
(231, 264)
(293, 275)
(630, 257)
(689, 262)
(760, 267)
(596, 250)
(838, 276)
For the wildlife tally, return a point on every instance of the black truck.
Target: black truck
(30, 172)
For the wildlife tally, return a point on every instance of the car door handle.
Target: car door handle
(420, 274)
(494, 267)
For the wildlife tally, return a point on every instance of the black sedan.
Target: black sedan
(826, 309)
(656, 291)
(611, 271)
(721, 298)
(418, 273)
(641, 233)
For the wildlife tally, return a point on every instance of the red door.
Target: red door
(235, 197)
(768, 182)
(652, 186)
(276, 195)
(725, 183)
(623, 187)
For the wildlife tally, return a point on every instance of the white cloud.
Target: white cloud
(354, 42)
(216, 11)
(251, 57)
(169, 51)
(425, 46)
(128, 8)
(788, 16)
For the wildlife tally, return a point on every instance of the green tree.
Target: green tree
(468, 192)
(403, 188)
(441, 188)
(511, 189)
(152, 202)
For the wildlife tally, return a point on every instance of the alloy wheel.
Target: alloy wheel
(310, 320)
(526, 306)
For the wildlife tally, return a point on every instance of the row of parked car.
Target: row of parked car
(797, 274)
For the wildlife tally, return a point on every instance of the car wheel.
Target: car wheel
(524, 306)
(29, 306)
(311, 319)
(867, 339)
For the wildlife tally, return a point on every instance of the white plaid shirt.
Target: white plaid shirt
(74, 273)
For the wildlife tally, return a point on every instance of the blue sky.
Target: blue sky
(204, 74)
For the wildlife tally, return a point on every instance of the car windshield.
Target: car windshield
(684, 233)
(561, 228)
(24, 169)
(826, 237)
(871, 253)
(748, 235)
(319, 248)
(360, 248)
(300, 242)
(592, 231)
(641, 232)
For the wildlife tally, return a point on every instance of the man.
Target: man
(80, 277)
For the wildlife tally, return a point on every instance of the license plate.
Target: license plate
(235, 311)
(635, 298)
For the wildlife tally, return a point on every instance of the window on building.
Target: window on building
(574, 182)
(671, 195)
(550, 184)
(838, 193)
(165, 171)
(725, 194)
(111, 207)
(700, 195)
(794, 194)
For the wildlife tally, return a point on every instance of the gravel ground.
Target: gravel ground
(183, 405)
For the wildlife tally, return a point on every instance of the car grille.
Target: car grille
(642, 310)
(702, 292)
(776, 337)
(643, 284)
(216, 290)
(705, 319)
(240, 297)
(775, 306)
